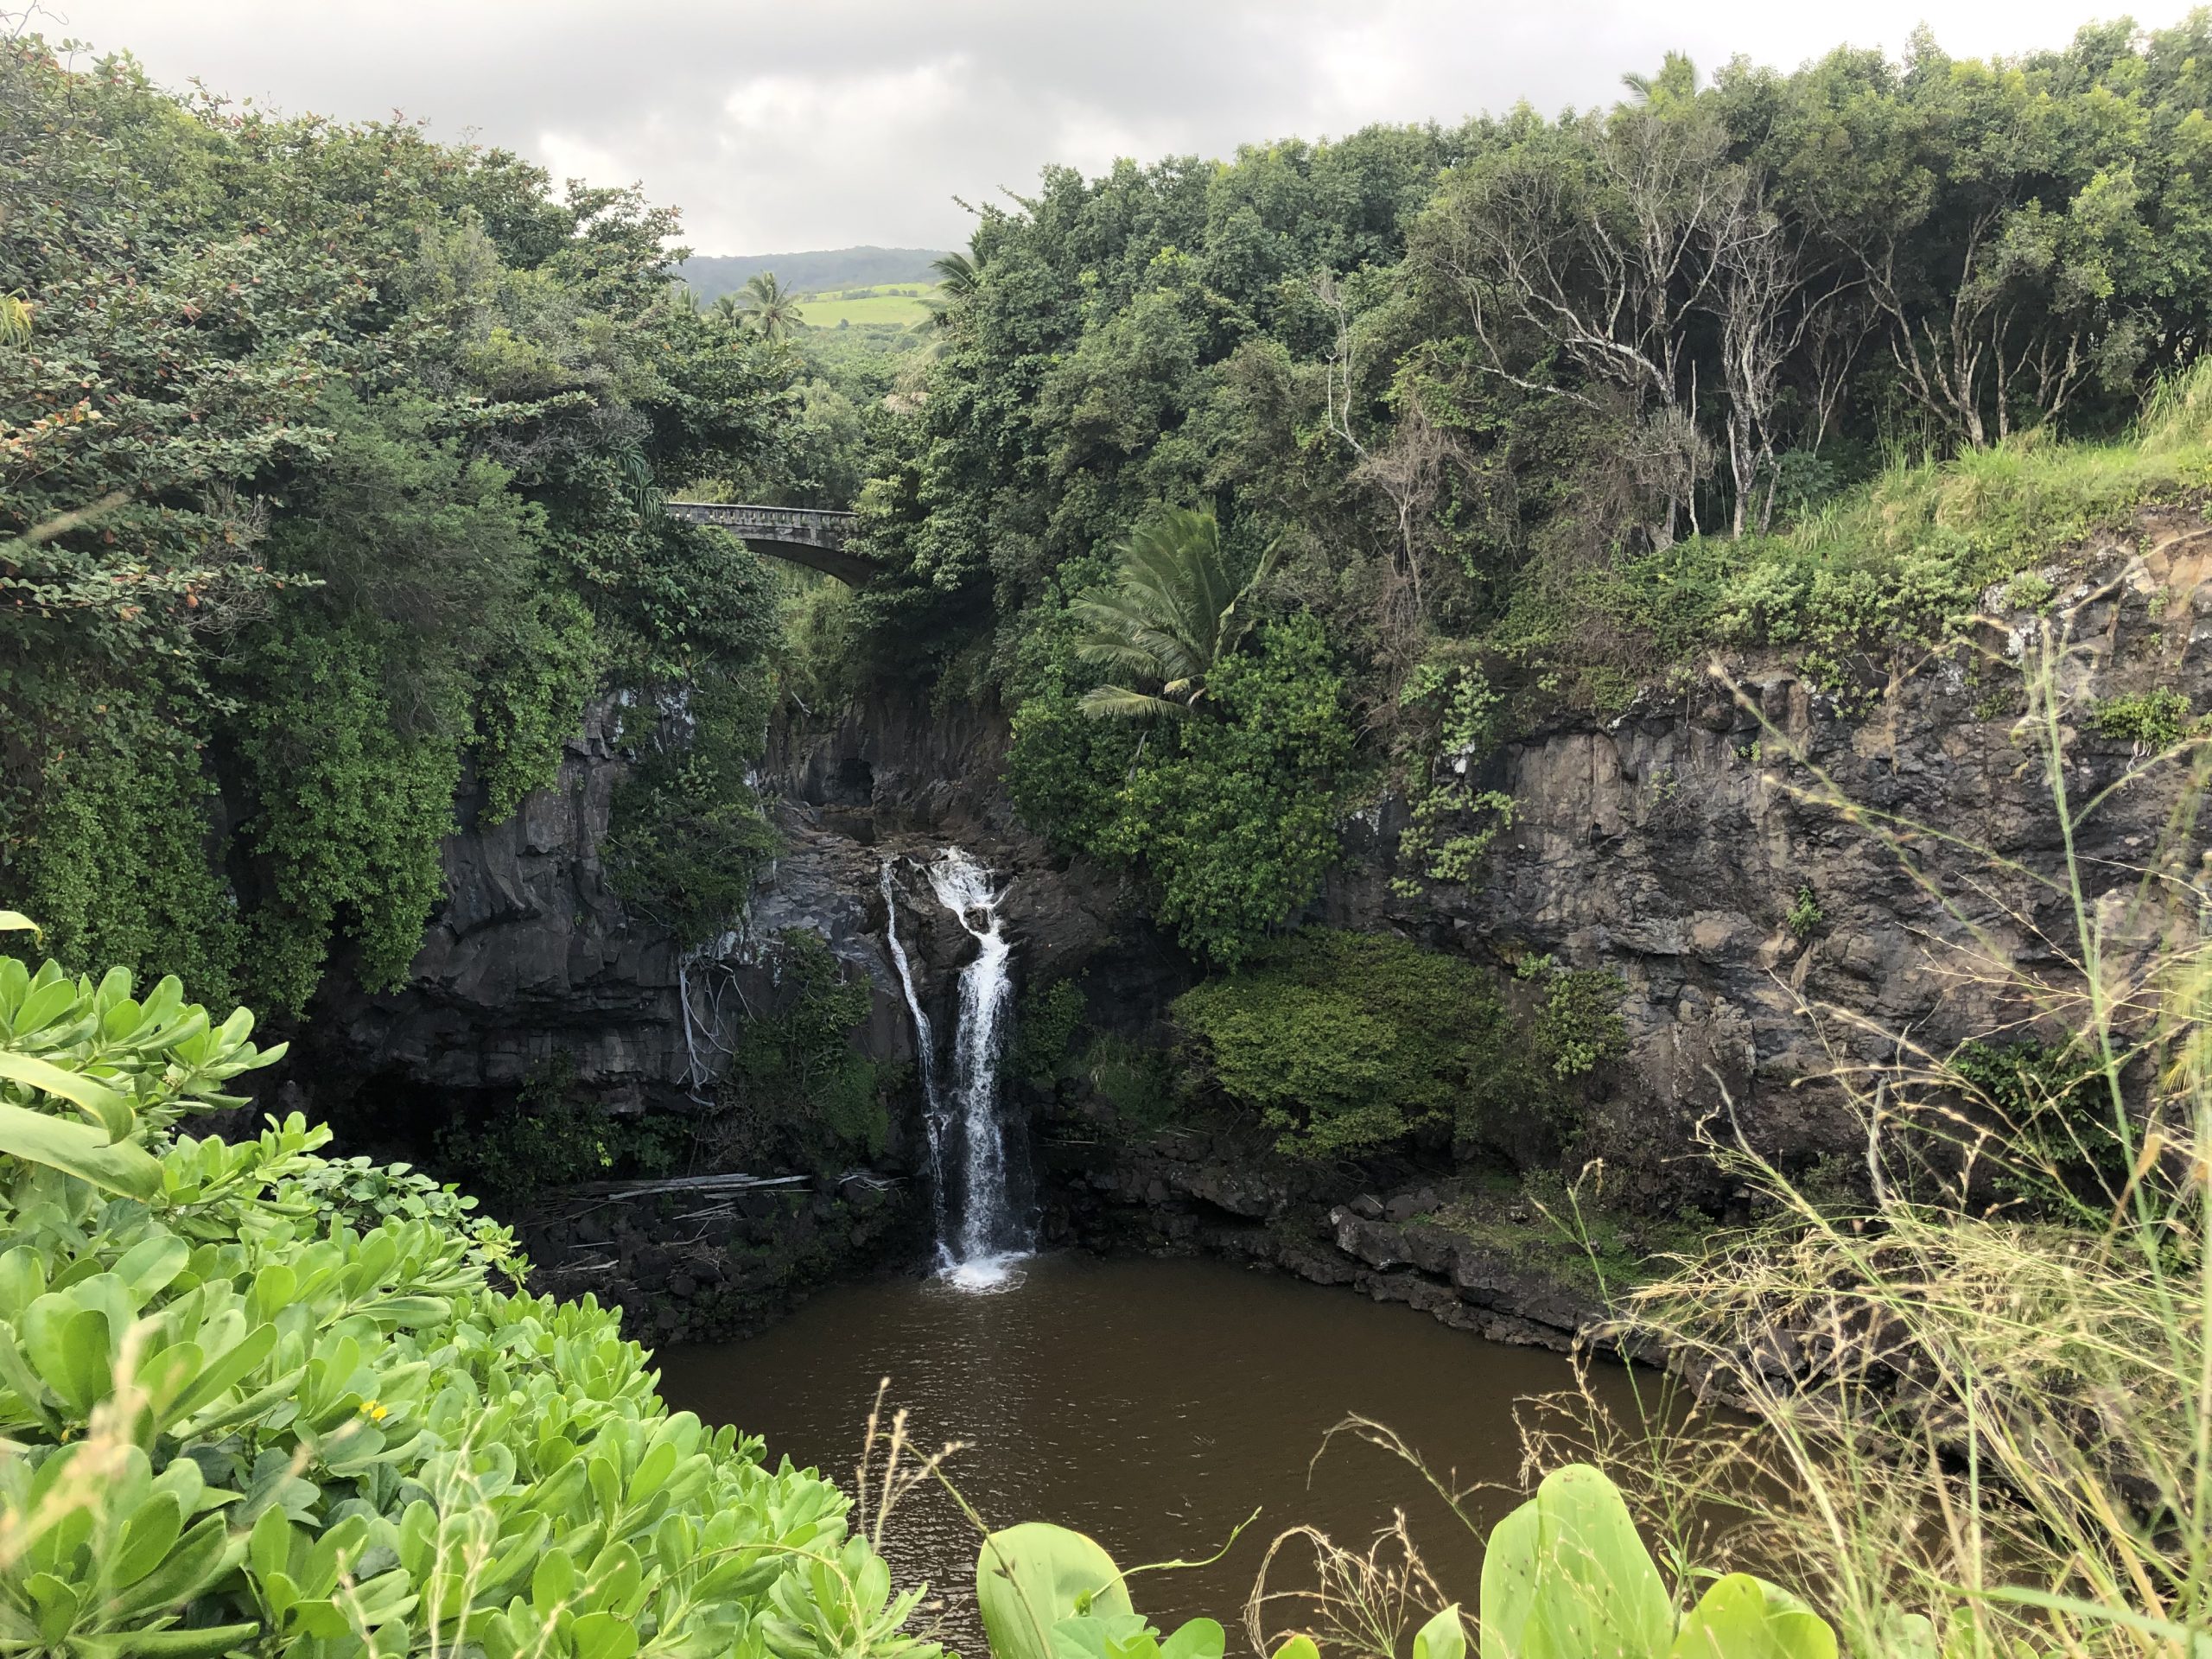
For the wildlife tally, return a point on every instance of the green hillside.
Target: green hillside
(902, 304)
(819, 271)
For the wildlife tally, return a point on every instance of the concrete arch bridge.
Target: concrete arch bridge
(813, 537)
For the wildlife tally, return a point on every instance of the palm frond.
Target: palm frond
(1172, 613)
(957, 275)
(1236, 619)
(1119, 702)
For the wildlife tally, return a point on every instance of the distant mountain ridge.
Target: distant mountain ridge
(712, 274)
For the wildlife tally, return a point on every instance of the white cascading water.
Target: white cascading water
(978, 1250)
(934, 1117)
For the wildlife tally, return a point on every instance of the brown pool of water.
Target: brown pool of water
(1154, 1404)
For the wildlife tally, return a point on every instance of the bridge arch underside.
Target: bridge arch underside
(849, 568)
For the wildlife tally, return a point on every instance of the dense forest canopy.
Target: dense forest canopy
(333, 457)
(1529, 411)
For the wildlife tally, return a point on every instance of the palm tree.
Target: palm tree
(1174, 613)
(769, 306)
(957, 278)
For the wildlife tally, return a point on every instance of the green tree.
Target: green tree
(769, 307)
(957, 280)
(1175, 613)
(327, 479)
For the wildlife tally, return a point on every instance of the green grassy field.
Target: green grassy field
(892, 303)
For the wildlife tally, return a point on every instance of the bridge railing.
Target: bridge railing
(816, 526)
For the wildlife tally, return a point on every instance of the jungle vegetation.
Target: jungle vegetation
(330, 460)
(1528, 413)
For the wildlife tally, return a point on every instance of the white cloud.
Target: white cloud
(779, 124)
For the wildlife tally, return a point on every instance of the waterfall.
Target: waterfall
(934, 1117)
(977, 1250)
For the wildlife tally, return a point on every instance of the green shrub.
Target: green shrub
(1043, 1033)
(119, 860)
(1805, 914)
(688, 838)
(552, 1134)
(1138, 1082)
(235, 1424)
(1346, 1042)
(797, 1087)
(1349, 1043)
(1450, 824)
(1578, 1025)
(2064, 1157)
(2154, 720)
(532, 699)
(1564, 1574)
(1232, 814)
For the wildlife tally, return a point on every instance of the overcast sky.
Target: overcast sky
(818, 123)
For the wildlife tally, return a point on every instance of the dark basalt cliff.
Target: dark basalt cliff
(1666, 844)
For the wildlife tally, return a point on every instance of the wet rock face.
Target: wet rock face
(1669, 845)
(529, 956)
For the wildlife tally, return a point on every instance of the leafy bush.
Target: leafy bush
(1346, 1042)
(2153, 720)
(1566, 1574)
(2065, 1159)
(552, 1134)
(1043, 1033)
(1046, 1592)
(797, 1086)
(235, 1424)
(1450, 823)
(1349, 1043)
(1232, 815)
(1578, 1025)
(361, 1193)
(119, 863)
(1136, 1081)
(687, 837)
(1805, 914)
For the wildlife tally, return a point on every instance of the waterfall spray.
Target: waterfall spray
(976, 1251)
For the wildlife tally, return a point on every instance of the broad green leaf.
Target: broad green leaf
(57, 1605)
(147, 1537)
(554, 1580)
(14, 921)
(201, 1557)
(1508, 1587)
(96, 1100)
(1198, 1639)
(149, 1267)
(225, 1370)
(78, 1149)
(1030, 1577)
(1598, 1592)
(1743, 1618)
(44, 1006)
(204, 1644)
(1442, 1638)
(604, 1635)
(1299, 1647)
(68, 1344)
